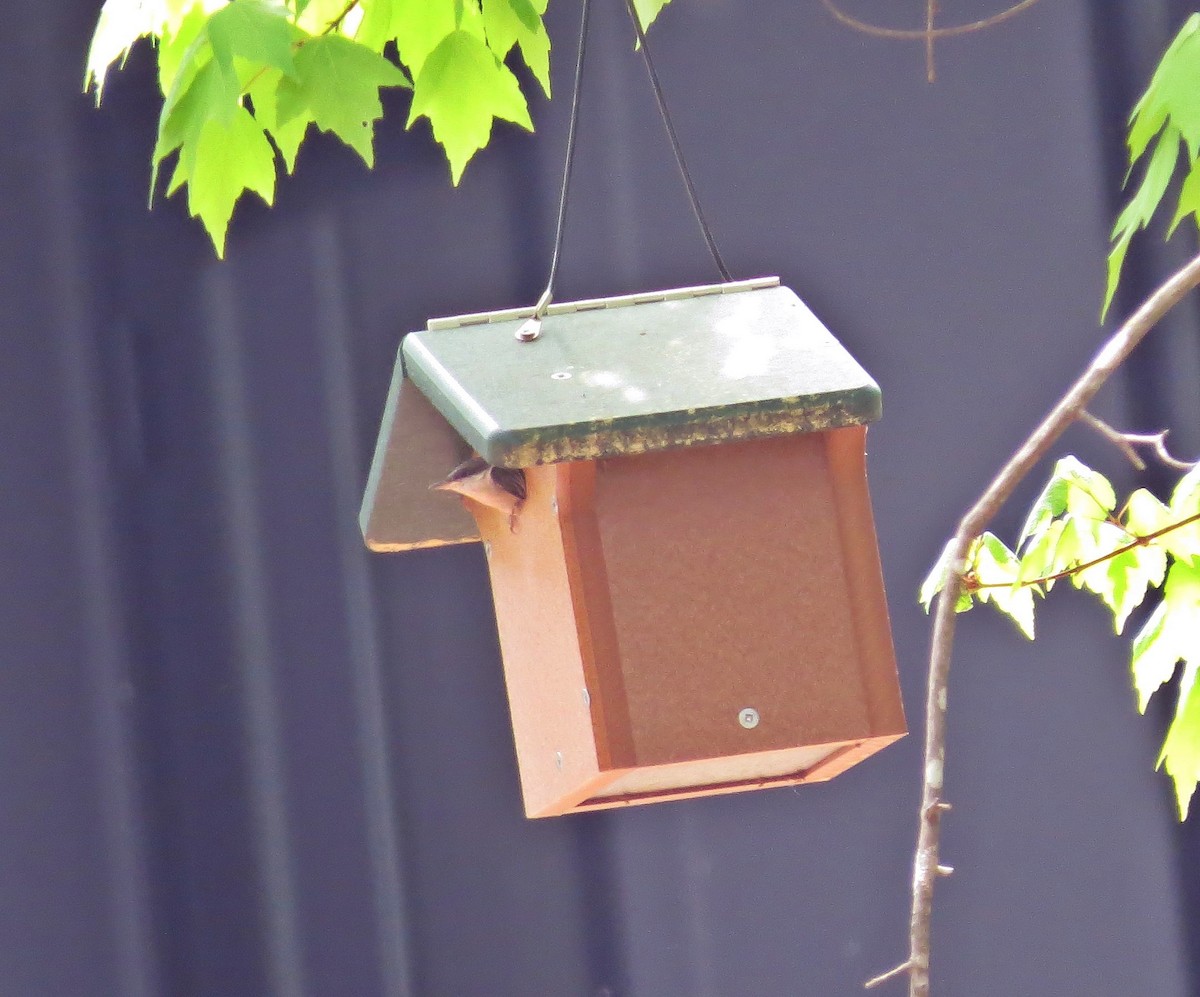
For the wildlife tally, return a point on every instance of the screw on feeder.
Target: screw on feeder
(748, 717)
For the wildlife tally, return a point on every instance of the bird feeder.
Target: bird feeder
(690, 599)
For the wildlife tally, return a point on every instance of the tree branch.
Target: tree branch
(927, 34)
(1075, 400)
(930, 68)
(1126, 442)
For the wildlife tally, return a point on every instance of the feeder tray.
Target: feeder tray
(691, 600)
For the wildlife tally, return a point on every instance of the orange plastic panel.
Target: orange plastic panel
(646, 603)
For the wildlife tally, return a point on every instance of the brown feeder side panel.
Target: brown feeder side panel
(543, 666)
(586, 570)
(729, 590)
(846, 451)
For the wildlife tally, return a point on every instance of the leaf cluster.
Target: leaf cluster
(1075, 531)
(1164, 123)
(244, 80)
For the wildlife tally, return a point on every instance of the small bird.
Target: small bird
(501, 488)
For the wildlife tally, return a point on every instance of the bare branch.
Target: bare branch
(930, 68)
(928, 33)
(891, 974)
(1070, 405)
(1115, 437)
(1126, 442)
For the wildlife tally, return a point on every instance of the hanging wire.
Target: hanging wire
(666, 117)
(531, 328)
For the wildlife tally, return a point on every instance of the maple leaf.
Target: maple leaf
(461, 88)
(230, 159)
(416, 26)
(1180, 754)
(519, 22)
(337, 86)
(264, 91)
(648, 10)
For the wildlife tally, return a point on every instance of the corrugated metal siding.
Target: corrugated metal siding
(239, 755)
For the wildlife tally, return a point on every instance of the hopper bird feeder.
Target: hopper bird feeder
(689, 599)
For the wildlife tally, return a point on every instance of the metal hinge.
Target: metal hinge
(588, 304)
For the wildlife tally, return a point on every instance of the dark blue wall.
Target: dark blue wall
(239, 755)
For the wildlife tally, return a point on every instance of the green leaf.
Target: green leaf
(1131, 574)
(174, 46)
(1189, 199)
(996, 565)
(229, 160)
(1170, 635)
(1103, 539)
(122, 22)
(461, 88)
(1184, 542)
(1145, 514)
(1180, 754)
(1185, 498)
(648, 10)
(935, 581)
(1089, 493)
(258, 30)
(1041, 556)
(337, 86)
(1145, 122)
(1074, 546)
(375, 28)
(197, 96)
(1167, 113)
(288, 136)
(1154, 656)
(530, 16)
(1137, 213)
(1141, 207)
(1073, 487)
(517, 22)
(416, 26)
(1175, 83)
(318, 15)
(1116, 260)
(1051, 503)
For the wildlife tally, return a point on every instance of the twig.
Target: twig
(925, 34)
(336, 23)
(1115, 437)
(930, 68)
(1075, 400)
(1058, 575)
(892, 973)
(1126, 442)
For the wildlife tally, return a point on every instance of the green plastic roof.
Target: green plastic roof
(640, 373)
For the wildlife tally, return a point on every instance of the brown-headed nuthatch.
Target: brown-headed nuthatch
(501, 488)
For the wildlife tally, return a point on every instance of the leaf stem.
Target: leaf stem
(1137, 542)
(337, 21)
(299, 44)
